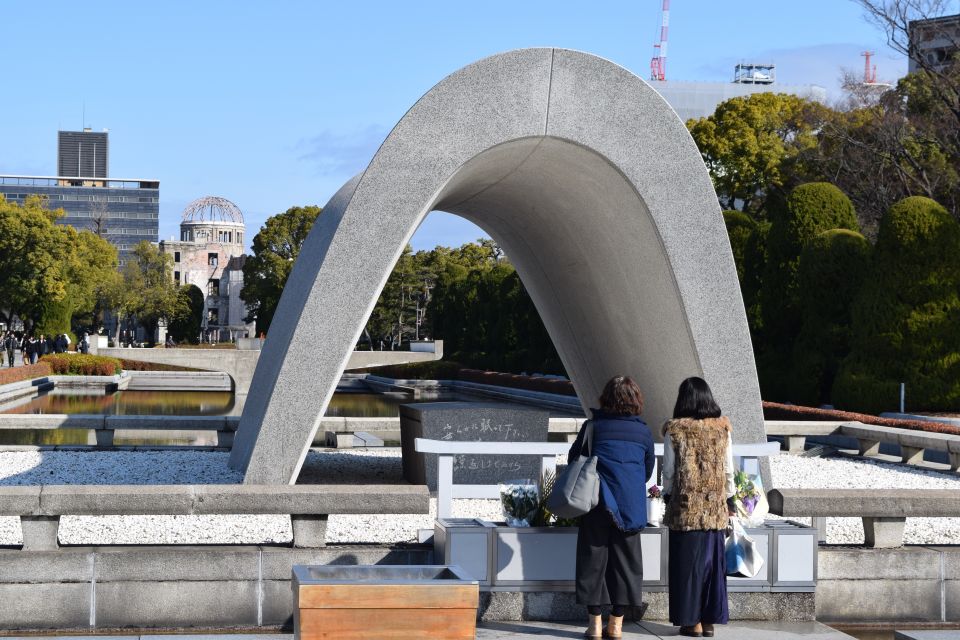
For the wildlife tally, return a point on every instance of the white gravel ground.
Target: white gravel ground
(376, 466)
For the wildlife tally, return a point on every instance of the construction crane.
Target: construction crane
(658, 64)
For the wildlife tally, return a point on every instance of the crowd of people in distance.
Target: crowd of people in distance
(32, 348)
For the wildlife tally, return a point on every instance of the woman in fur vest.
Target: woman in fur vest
(609, 564)
(698, 489)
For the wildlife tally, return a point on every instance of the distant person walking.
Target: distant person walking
(84, 345)
(698, 488)
(10, 346)
(31, 350)
(609, 561)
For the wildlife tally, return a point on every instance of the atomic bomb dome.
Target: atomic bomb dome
(213, 219)
(210, 255)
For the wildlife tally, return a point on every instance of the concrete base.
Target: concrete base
(883, 533)
(911, 455)
(868, 447)
(552, 606)
(309, 532)
(795, 444)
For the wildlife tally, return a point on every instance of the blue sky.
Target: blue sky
(277, 104)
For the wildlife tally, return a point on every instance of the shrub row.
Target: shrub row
(76, 364)
(514, 381)
(16, 374)
(139, 365)
(433, 370)
(777, 411)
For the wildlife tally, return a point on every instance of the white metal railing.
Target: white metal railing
(746, 455)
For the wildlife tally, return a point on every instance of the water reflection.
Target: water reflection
(132, 403)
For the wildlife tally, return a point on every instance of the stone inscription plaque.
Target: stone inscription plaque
(471, 421)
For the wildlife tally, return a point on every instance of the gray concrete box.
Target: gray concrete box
(461, 422)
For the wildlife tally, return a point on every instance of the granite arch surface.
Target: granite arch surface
(598, 195)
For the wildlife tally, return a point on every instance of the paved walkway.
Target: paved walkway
(523, 630)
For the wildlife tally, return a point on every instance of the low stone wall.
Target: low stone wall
(89, 588)
(248, 587)
(910, 584)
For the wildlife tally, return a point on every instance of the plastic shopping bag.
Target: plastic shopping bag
(741, 553)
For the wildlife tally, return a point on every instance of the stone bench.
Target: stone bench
(40, 507)
(884, 511)
(912, 442)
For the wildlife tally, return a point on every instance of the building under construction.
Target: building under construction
(700, 99)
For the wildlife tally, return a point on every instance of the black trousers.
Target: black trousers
(609, 562)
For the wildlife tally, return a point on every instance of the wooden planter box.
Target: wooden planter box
(384, 601)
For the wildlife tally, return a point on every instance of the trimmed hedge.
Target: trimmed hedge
(777, 411)
(28, 372)
(77, 364)
(529, 383)
(907, 318)
(832, 269)
(808, 211)
(740, 227)
(433, 370)
(139, 365)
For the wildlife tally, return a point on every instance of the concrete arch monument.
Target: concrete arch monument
(597, 193)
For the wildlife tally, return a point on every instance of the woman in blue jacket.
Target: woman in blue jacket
(609, 562)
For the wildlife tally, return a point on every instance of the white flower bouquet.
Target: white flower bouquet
(520, 500)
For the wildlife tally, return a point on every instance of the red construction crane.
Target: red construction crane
(658, 64)
(869, 74)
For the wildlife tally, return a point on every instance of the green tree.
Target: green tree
(809, 210)
(275, 249)
(31, 259)
(833, 268)
(906, 142)
(907, 317)
(187, 327)
(51, 273)
(146, 291)
(758, 144)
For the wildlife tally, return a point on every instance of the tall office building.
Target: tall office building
(122, 211)
(82, 154)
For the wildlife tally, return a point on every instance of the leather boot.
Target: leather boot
(615, 627)
(595, 627)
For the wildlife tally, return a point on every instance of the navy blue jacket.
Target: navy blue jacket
(625, 461)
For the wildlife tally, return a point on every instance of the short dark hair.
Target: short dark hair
(621, 397)
(695, 400)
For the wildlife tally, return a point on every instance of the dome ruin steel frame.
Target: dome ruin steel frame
(212, 209)
(595, 189)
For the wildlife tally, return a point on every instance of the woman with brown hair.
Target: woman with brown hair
(609, 563)
(698, 489)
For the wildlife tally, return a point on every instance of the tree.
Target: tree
(187, 328)
(757, 144)
(275, 249)
(809, 210)
(51, 273)
(906, 143)
(748, 241)
(833, 268)
(31, 258)
(147, 291)
(907, 317)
